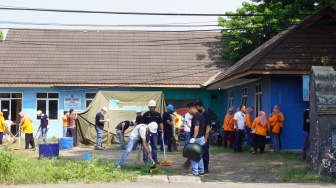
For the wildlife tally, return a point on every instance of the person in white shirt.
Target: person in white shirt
(187, 125)
(138, 136)
(239, 126)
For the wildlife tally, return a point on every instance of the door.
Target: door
(5, 108)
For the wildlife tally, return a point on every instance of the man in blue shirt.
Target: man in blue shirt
(100, 126)
(44, 126)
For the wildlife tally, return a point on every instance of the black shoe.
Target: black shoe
(157, 162)
(206, 171)
(201, 174)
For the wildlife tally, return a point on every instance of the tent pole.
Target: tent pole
(108, 132)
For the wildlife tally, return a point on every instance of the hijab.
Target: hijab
(262, 118)
(229, 115)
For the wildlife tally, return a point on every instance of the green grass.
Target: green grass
(20, 169)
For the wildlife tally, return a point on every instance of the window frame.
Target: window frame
(230, 99)
(89, 99)
(258, 98)
(244, 96)
(47, 104)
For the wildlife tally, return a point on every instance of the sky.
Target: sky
(90, 21)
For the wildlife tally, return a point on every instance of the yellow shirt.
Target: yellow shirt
(27, 126)
(248, 120)
(2, 124)
(65, 120)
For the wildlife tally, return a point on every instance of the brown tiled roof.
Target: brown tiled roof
(130, 58)
(292, 51)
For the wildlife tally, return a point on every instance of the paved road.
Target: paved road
(176, 185)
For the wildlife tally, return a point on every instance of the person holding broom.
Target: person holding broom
(26, 124)
(139, 136)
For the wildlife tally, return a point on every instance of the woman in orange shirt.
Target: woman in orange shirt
(276, 119)
(248, 121)
(228, 127)
(262, 127)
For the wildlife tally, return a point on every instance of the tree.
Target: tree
(1, 37)
(257, 22)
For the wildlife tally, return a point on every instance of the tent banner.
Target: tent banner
(121, 106)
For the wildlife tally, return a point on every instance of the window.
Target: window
(48, 104)
(258, 97)
(230, 102)
(89, 98)
(244, 96)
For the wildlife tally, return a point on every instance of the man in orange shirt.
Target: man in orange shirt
(65, 122)
(276, 119)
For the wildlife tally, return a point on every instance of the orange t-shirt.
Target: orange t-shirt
(260, 130)
(65, 120)
(227, 122)
(248, 120)
(276, 122)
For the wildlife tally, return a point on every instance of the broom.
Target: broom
(187, 164)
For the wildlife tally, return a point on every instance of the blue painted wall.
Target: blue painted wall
(29, 103)
(285, 91)
(29, 100)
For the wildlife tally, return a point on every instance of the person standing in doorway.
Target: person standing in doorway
(228, 128)
(239, 119)
(206, 156)
(121, 128)
(65, 122)
(100, 120)
(305, 136)
(149, 117)
(276, 119)
(138, 117)
(197, 132)
(187, 125)
(72, 132)
(44, 127)
(26, 124)
(167, 128)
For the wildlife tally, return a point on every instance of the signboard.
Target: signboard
(72, 101)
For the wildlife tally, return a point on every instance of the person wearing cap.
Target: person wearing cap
(100, 126)
(121, 128)
(65, 122)
(168, 126)
(138, 117)
(44, 126)
(149, 117)
(72, 132)
(139, 136)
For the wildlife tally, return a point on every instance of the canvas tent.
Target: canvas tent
(121, 106)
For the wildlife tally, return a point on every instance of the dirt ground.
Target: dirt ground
(224, 167)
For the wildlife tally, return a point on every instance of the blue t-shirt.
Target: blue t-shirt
(44, 121)
(99, 116)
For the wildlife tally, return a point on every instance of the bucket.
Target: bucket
(48, 150)
(66, 143)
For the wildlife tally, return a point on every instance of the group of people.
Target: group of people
(151, 125)
(69, 125)
(238, 125)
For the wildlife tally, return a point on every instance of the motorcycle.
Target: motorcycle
(180, 134)
(215, 137)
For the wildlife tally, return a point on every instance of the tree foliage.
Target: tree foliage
(1, 37)
(261, 20)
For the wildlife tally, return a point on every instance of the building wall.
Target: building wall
(211, 98)
(285, 91)
(29, 100)
(29, 103)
